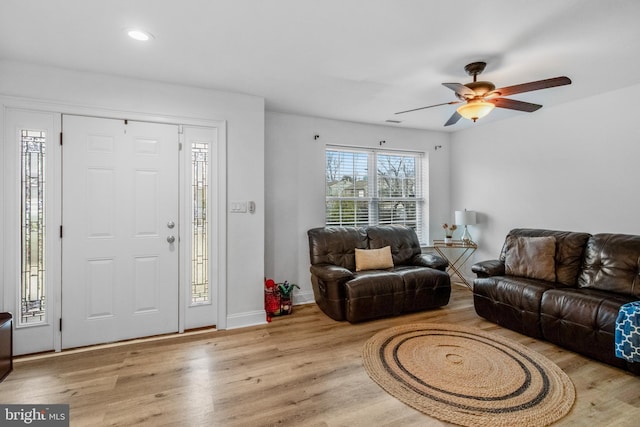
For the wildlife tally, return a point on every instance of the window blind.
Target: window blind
(374, 187)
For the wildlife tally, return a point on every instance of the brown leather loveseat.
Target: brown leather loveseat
(408, 281)
(564, 287)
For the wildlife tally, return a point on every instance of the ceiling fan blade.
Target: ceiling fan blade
(460, 90)
(429, 106)
(453, 119)
(531, 86)
(513, 104)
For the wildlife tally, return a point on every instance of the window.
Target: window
(32, 288)
(369, 187)
(199, 223)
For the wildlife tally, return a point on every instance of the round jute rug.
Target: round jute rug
(467, 376)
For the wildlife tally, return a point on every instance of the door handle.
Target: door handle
(171, 239)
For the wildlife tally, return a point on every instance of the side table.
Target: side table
(463, 250)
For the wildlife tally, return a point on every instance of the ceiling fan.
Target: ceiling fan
(480, 97)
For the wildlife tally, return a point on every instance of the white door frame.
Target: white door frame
(201, 315)
(8, 234)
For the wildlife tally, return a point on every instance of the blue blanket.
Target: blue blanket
(628, 332)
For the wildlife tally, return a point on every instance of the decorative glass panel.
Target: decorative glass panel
(200, 223)
(32, 288)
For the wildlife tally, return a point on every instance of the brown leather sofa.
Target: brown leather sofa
(415, 282)
(594, 276)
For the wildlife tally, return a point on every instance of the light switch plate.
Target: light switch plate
(238, 207)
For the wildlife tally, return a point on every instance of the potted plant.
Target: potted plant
(448, 233)
(284, 290)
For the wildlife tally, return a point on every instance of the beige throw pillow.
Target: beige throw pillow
(531, 257)
(374, 259)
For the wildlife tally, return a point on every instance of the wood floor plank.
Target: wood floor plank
(300, 370)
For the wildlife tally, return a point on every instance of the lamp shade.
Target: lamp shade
(465, 217)
(474, 110)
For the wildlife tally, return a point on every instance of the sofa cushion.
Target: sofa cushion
(336, 245)
(424, 288)
(374, 259)
(403, 241)
(531, 257)
(612, 263)
(569, 249)
(512, 302)
(582, 320)
(372, 294)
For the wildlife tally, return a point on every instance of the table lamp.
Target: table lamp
(465, 218)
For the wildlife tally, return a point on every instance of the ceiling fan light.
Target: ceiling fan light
(474, 110)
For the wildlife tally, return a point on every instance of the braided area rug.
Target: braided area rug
(467, 376)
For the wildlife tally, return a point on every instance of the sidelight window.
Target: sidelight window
(33, 300)
(200, 223)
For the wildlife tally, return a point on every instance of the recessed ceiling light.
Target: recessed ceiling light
(140, 35)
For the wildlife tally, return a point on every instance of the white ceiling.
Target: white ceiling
(357, 60)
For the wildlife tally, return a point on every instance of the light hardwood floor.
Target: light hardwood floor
(300, 370)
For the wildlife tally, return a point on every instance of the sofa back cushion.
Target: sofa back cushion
(402, 239)
(569, 250)
(612, 263)
(336, 245)
(531, 257)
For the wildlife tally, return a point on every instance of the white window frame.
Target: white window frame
(374, 199)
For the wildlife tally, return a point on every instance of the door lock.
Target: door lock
(171, 239)
(171, 224)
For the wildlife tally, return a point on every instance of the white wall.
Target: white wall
(295, 188)
(245, 152)
(570, 167)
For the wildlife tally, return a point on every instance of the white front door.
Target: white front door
(120, 230)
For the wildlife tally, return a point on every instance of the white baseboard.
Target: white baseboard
(250, 318)
(259, 317)
(305, 297)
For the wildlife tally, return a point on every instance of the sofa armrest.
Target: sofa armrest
(430, 260)
(331, 273)
(493, 267)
